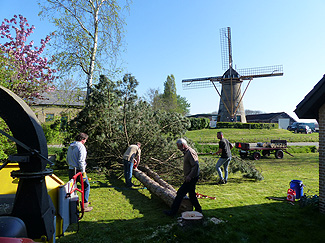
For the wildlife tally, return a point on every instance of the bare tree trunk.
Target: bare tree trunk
(160, 188)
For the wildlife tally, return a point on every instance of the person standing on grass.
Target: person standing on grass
(225, 150)
(191, 175)
(131, 158)
(76, 159)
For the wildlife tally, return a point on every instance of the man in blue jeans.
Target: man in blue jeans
(131, 158)
(191, 175)
(76, 159)
(225, 151)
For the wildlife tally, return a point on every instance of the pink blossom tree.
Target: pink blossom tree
(22, 68)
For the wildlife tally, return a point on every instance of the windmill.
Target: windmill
(231, 106)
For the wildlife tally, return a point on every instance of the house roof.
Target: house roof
(308, 108)
(267, 116)
(62, 98)
(202, 115)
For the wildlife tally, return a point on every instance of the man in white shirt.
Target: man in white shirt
(76, 158)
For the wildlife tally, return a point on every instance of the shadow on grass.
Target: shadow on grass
(230, 180)
(278, 221)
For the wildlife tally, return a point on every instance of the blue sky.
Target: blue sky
(181, 37)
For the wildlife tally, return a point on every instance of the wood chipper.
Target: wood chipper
(34, 203)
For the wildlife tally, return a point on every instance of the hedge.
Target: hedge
(199, 123)
(247, 125)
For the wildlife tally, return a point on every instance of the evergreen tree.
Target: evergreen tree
(114, 118)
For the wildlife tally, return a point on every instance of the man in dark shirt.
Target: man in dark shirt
(225, 151)
(191, 175)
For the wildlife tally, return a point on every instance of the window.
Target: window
(64, 122)
(49, 117)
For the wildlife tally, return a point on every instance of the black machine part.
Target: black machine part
(12, 227)
(32, 203)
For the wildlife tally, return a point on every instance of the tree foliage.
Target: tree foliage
(199, 123)
(169, 96)
(22, 68)
(7, 147)
(89, 33)
(169, 100)
(115, 117)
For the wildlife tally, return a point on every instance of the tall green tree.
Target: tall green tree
(168, 100)
(169, 96)
(89, 33)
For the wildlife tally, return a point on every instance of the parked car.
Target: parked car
(294, 126)
(303, 129)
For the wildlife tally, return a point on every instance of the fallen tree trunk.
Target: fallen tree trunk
(156, 177)
(160, 188)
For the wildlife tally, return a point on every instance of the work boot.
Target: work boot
(222, 181)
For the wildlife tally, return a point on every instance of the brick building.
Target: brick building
(313, 107)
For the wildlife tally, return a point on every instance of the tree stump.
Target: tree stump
(191, 218)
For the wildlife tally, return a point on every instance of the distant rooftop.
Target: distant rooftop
(62, 98)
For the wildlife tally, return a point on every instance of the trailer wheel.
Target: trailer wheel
(265, 152)
(256, 155)
(279, 154)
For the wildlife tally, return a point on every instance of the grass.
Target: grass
(249, 135)
(126, 215)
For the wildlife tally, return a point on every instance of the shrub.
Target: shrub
(199, 123)
(7, 146)
(240, 125)
(53, 131)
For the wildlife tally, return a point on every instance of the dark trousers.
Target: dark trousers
(187, 187)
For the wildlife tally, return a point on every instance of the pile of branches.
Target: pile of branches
(247, 168)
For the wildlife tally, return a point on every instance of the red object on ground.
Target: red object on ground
(15, 240)
(291, 195)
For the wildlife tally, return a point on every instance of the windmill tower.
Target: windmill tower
(231, 106)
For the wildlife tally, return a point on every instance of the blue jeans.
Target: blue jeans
(128, 169)
(225, 162)
(86, 184)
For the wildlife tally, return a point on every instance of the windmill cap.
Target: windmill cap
(230, 73)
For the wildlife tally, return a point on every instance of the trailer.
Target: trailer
(276, 147)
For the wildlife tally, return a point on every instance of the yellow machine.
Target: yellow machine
(64, 203)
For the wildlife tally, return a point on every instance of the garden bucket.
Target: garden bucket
(298, 187)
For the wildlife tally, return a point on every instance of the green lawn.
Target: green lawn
(249, 135)
(126, 215)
